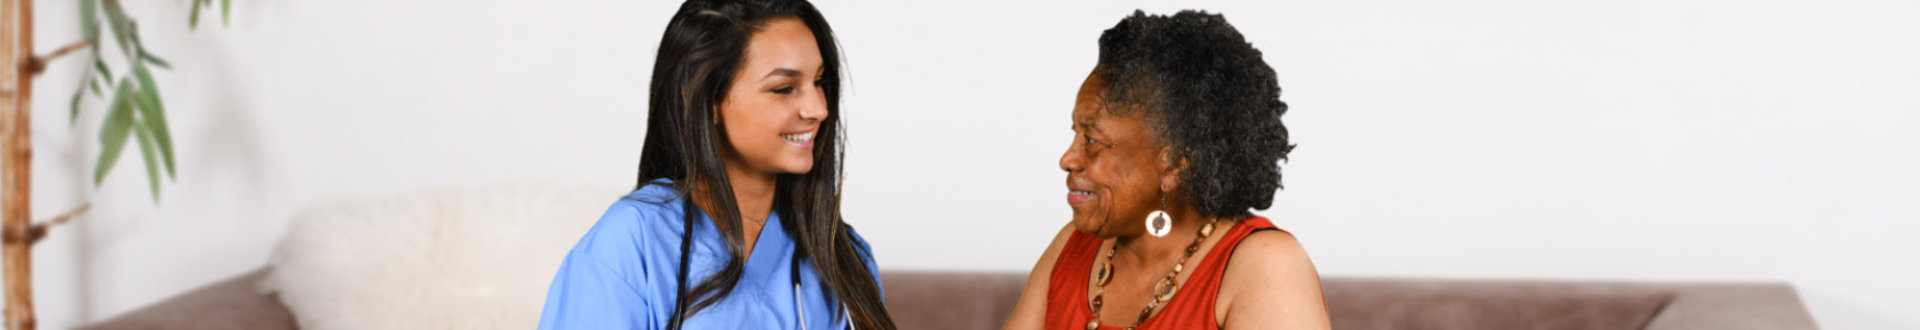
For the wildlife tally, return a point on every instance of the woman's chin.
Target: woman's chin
(798, 167)
(1087, 226)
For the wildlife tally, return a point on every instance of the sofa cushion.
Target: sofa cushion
(460, 259)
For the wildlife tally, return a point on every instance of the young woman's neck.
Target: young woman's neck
(753, 194)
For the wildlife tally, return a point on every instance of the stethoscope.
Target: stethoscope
(801, 308)
(793, 275)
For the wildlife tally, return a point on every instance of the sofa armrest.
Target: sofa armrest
(235, 303)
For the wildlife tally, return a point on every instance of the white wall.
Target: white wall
(1642, 140)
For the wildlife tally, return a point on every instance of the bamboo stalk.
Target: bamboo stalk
(16, 178)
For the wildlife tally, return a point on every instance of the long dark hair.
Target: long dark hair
(701, 51)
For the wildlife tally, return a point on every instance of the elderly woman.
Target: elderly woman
(1177, 138)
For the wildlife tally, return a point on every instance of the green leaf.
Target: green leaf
(123, 27)
(193, 16)
(105, 73)
(226, 12)
(113, 133)
(147, 150)
(156, 60)
(133, 32)
(90, 20)
(95, 84)
(73, 112)
(147, 97)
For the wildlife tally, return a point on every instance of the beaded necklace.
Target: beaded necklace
(1161, 292)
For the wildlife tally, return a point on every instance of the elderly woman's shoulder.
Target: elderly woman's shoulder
(1270, 281)
(1270, 242)
(1269, 261)
(1268, 251)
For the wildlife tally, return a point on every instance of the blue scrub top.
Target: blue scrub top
(623, 273)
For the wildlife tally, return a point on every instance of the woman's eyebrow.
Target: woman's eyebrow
(782, 72)
(1088, 125)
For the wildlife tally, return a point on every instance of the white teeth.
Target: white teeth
(802, 137)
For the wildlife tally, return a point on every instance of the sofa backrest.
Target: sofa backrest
(951, 300)
(983, 300)
(1443, 304)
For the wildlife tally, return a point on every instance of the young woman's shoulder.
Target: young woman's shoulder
(617, 267)
(865, 250)
(860, 243)
(646, 222)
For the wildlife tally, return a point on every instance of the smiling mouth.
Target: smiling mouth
(1076, 197)
(799, 137)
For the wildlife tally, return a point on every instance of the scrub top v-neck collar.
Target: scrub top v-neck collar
(766, 282)
(624, 273)
(771, 252)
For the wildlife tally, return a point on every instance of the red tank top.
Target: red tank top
(1191, 308)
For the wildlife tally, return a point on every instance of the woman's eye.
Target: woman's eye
(783, 90)
(819, 82)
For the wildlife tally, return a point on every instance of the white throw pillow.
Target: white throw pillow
(467, 259)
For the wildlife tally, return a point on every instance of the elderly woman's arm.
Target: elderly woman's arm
(1031, 313)
(1270, 284)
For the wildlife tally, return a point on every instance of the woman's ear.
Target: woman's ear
(1174, 163)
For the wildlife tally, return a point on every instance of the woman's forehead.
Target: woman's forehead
(782, 44)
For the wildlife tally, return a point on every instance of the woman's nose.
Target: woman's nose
(1070, 161)
(814, 108)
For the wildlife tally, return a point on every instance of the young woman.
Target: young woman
(735, 222)
(1177, 138)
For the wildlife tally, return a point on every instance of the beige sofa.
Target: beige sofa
(982, 300)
